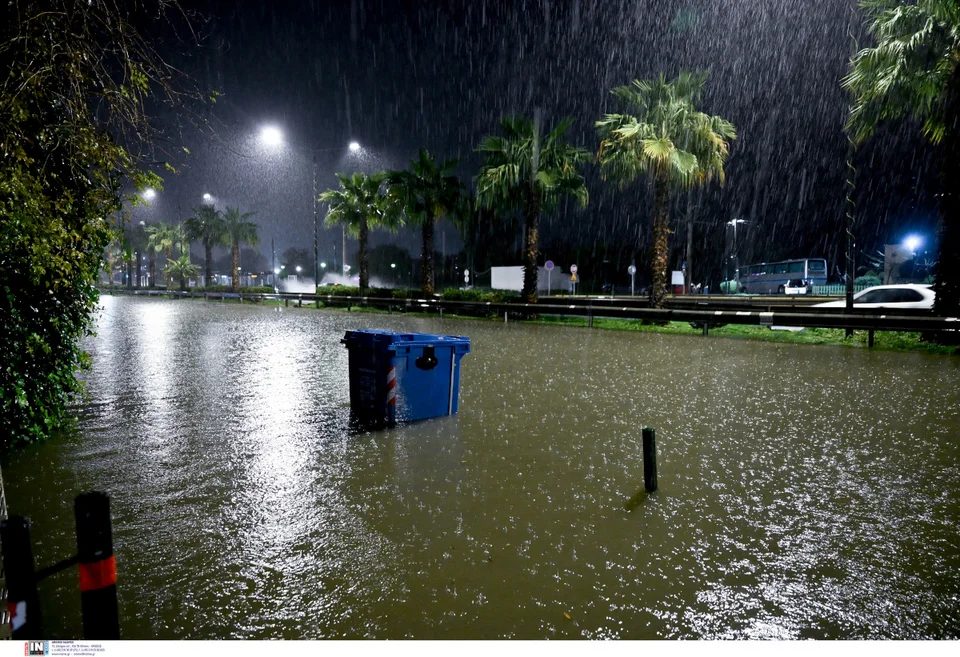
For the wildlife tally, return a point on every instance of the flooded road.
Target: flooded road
(804, 492)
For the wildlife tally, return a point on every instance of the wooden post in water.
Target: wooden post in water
(22, 598)
(649, 459)
(97, 567)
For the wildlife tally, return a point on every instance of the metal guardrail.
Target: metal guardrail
(862, 319)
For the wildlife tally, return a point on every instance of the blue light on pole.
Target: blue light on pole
(913, 242)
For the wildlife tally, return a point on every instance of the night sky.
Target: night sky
(396, 76)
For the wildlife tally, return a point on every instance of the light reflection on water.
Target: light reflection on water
(804, 492)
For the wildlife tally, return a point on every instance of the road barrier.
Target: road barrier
(96, 567)
(704, 317)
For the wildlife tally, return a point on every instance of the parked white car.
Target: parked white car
(796, 286)
(889, 296)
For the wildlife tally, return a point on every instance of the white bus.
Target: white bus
(772, 277)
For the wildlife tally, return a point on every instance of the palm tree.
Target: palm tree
(529, 172)
(237, 229)
(914, 70)
(135, 241)
(163, 237)
(666, 139)
(207, 227)
(426, 193)
(181, 268)
(113, 254)
(360, 205)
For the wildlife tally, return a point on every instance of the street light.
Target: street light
(149, 193)
(913, 242)
(208, 198)
(273, 137)
(736, 256)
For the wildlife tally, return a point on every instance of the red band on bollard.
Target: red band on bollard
(98, 575)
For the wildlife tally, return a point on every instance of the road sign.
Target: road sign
(631, 270)
(548, 265)
(683, 267)
(573, 278)
(466, 275)
(573, 269)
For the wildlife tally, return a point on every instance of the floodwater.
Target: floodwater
(805, 492)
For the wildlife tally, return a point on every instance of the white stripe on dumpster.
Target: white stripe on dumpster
(392, 386)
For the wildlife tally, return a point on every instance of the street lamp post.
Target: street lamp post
(736, 256)
(272, 136)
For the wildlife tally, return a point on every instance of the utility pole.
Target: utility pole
(316, 229)
(273, 258)
(851, 185)
(689, 272)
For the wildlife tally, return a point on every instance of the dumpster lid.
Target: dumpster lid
(379, 339)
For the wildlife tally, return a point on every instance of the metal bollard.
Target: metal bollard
(21, 579)
(97, 567)
(649, 459)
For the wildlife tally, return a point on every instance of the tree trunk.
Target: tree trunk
(426, 255)
(235, 283)
(207, 262)
(531, 248)
(153, 268)
(363, 256)
(947, 303)
(661, 231)
(166, 278)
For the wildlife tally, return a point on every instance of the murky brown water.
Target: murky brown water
(804, 491)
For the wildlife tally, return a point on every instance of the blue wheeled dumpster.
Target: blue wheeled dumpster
(399, 377)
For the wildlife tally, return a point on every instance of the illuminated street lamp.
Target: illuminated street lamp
(273, 137)
(736, 256)
(913, 242)
(208, 198)
(149, 193)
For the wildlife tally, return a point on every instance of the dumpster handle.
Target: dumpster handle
(428, 360)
